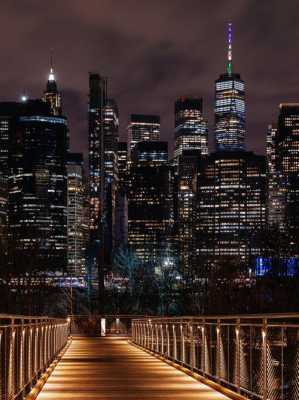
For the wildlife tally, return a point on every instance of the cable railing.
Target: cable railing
(256, 356)
(28, 345)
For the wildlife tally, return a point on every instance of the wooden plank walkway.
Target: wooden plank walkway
(110, 368)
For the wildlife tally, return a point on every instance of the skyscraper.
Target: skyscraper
(122, 163)
(97, 101)
(276, 191)
(229, 106)
(37, 186)
(191, 130)
(142, 128)
(232, 205)
(286, 165)
(110, 148)
(103, 138)
(150, 211)
(185, 215)
(121, 219)
(51, 94)
(76, 234)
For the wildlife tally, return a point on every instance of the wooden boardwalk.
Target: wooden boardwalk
(110, 368)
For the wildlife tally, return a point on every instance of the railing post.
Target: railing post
(192, 349)
(265, 358)
(162, 339)
(218, 351)
(153, 341)
(203, 348)
(146, 336)
(175, 352)
(182, 344)
(11, 359)
(238, 361)
(168, 340)
(22, 351)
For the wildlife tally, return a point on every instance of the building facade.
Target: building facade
(185, 207)
(150, 211)
(232, 199)
(286, 148)
(76, 228)
(276, 191)
(97, 102)
(37, 188)
(121, 219)
(143, 127)
(191, 129)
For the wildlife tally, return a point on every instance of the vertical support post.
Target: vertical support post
(153, 341)
(168, 340)
(157, 338)
(282, 364)
(162, 339)
(238, 365)
(192, 349)
(203, 348)
(175, 352)
(218, 351)
(11, 358)
(146, 334)
(182, 344)
(22, 354)
(265, 358)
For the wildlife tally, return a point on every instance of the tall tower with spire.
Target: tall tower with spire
(51, 94)
(229, 106)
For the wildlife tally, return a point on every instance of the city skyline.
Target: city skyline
(167, 68)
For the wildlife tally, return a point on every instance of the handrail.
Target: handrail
(28, 345)
(256, 356)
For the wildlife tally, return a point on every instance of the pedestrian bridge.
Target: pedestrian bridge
(251, 357)
(110, 368)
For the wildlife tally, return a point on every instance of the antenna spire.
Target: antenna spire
(51, 74)
(229, 66)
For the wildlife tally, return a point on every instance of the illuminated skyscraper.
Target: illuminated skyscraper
(286, 165)
(7, 121)
(121, 219)
(187, 168)
(150, 211)
(276, 191)
(97, 101)
(51, 94)
(37, 186)
(232, 204)
(142, 128)
(76, 234)
(122, 163)
(229, 107)
(111, 125)
(191, 130)
(103, 138)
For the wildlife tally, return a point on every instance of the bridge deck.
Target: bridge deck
(110, 368)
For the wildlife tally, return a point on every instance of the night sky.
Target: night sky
(152, 51)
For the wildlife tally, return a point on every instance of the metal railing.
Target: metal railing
(256, 356)
(28, 345)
